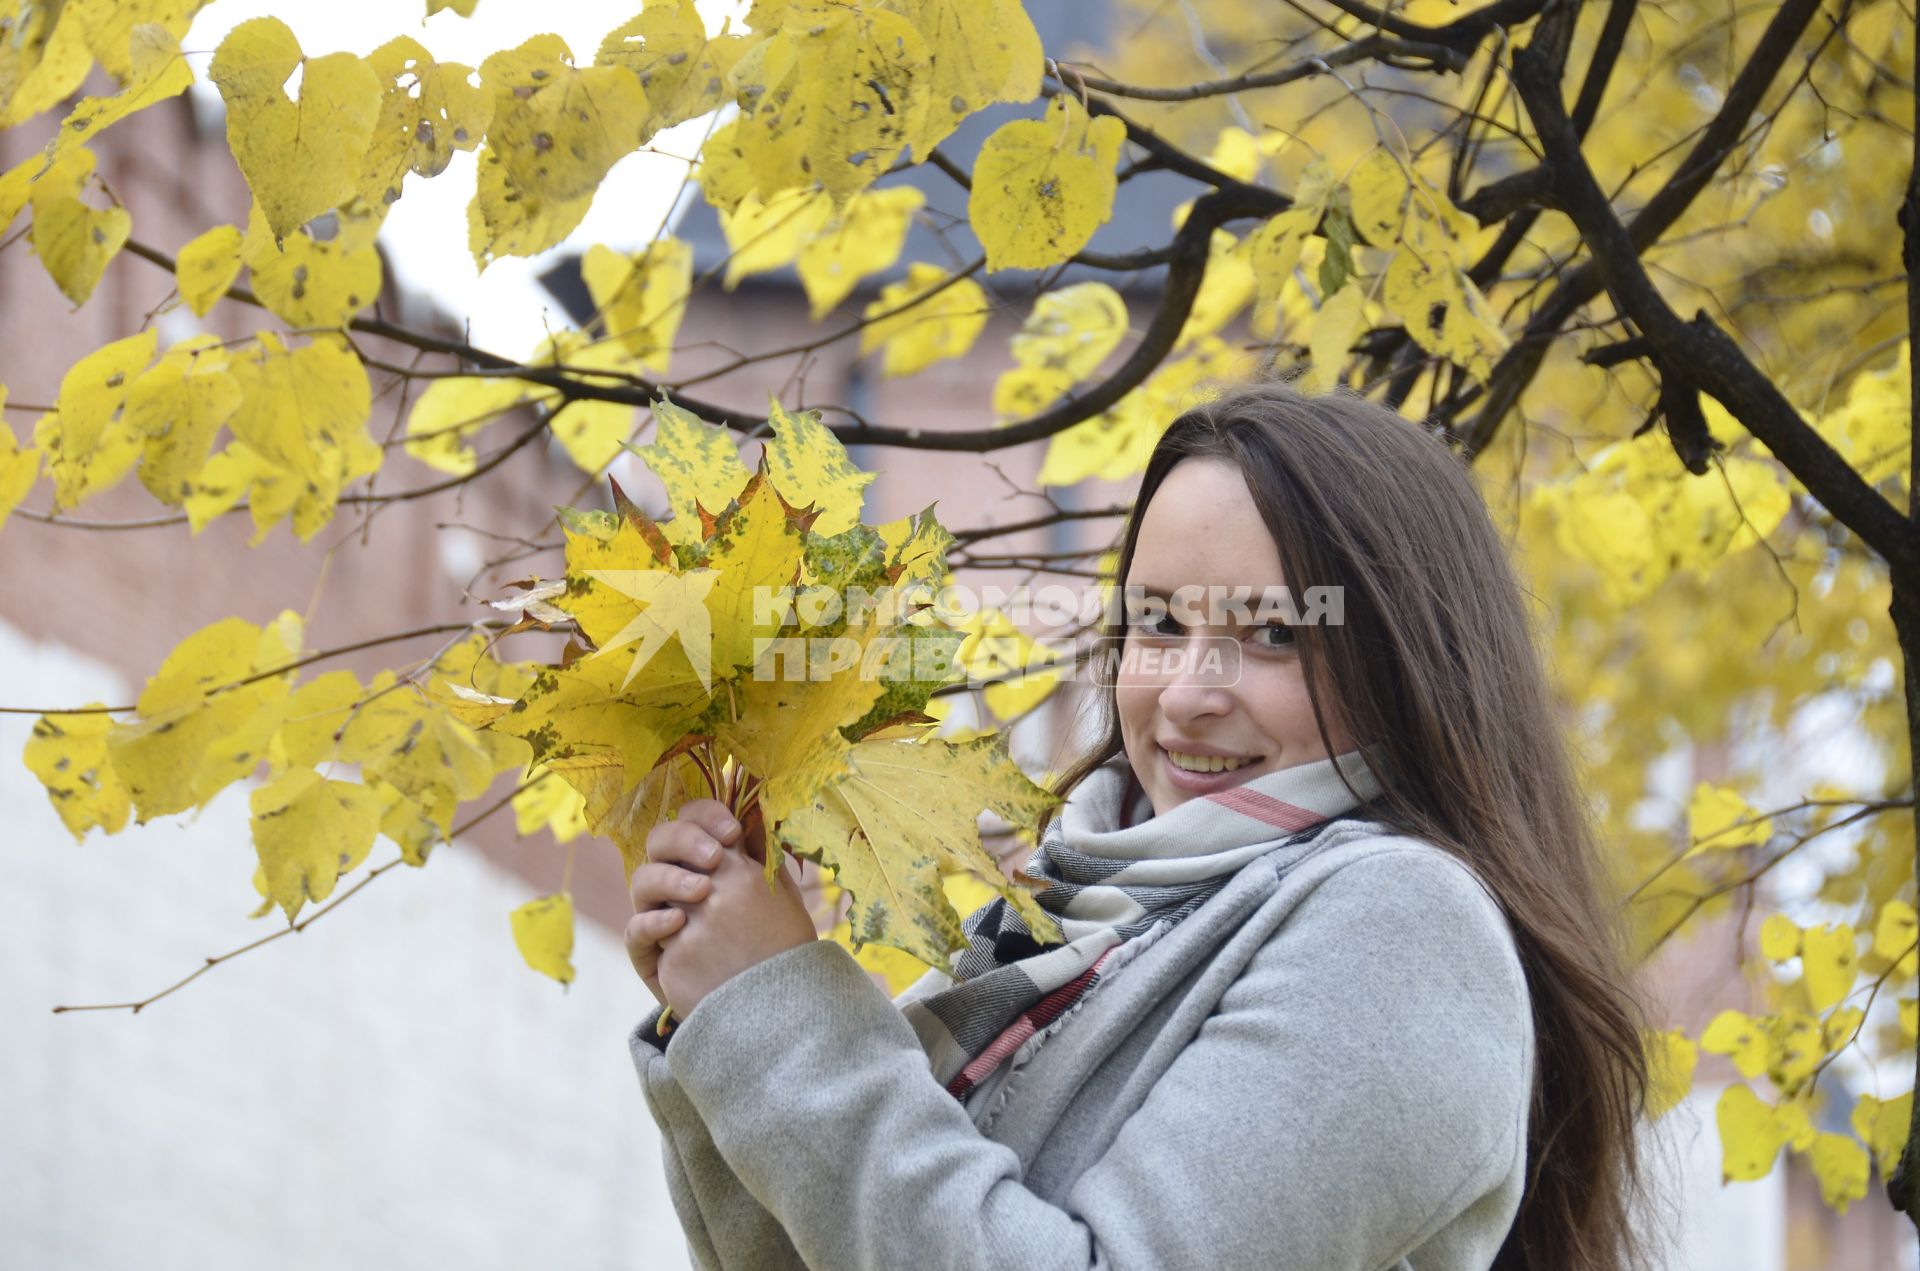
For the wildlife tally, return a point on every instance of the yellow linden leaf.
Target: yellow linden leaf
(1840, 1164)
(1751, 1134)
(308, 832)
(592, 433)
(865, 238)
(1796, 1044)
(1334, 330)
(810, 467)
(725, 175)
(315, 713)
(1237, 153)
(556, 131)
(983, 51)
(1041, 187)
(113, 28)
(1718, 819)
(833, 97)
(549, 803)
(401, 736)
(1779, 938)
(207, 266)
(300, 158)
(918, 326)
(303, 418)
(462, 7)
(1072, 330)
(1873, 429)
(543, 932)
(1229, 284)
(666, 46)
(764, 235)
(1116, 443)
(73, 240)
(157, 73)
(1670, 1062)
(1840, 1028)
(1827, 953)
(306, 282)
(1027, 390)
(1894, 934)
(905, 815)
(19, 468)
(698, 463)
(177, 408)
(1273, 250)
(200, 728)
(43, 59)
(68, 753)
(428, 110)
(87, 447)
(451, 410)
(1739, 1038)
(996, 649)
(1883, 1127)
(642, 297)
(1377, 189)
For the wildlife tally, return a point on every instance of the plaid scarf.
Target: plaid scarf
(1118, 881)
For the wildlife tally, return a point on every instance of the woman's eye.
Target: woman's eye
(1275, 635)
(1164, 625)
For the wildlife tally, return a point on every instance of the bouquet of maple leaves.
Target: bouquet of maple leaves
(694, 674)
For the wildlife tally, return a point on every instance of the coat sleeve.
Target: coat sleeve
(1361, 1083)
(725, 1226)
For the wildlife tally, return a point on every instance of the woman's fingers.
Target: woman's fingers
(657, 883)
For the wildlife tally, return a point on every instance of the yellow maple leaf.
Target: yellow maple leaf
(300, 158)
(810, 467)
(905, 815)
(543, 932)
(697, 462)
(1041, 187)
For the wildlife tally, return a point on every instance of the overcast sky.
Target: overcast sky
(425, 235)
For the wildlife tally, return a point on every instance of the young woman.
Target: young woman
(1339, 991)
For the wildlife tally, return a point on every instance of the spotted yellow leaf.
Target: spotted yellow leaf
(543, 932)
(917, 325)
(1041, 187)
(207, 266)
(308, 831)
(68, 753)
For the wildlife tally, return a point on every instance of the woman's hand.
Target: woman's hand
(702, 910)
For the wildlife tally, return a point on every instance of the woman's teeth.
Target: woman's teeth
(1205, 763)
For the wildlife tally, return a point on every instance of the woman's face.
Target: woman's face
(1211, 684)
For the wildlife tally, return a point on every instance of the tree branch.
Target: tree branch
(1712, 359)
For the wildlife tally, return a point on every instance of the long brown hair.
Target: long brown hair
(1436, 671)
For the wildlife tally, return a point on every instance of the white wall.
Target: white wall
(391, 1088)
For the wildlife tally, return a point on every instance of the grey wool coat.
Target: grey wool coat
(1326, 1067)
